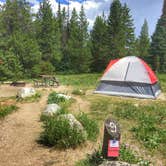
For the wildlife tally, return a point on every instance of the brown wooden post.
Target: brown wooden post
(111, 132)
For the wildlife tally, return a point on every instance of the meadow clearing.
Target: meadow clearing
(142, 122)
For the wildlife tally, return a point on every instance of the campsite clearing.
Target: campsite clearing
(20, 130)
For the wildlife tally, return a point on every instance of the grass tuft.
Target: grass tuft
(59, 133)
(5, 110)
(55, 98)
(89, 125)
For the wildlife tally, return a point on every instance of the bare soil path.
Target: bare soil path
(19, 132)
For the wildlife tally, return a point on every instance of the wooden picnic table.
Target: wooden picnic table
(47, 81)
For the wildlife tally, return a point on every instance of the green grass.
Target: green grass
(5, 110)
(79, 92)
(147, 119)
(80, 80)
(90, 125)
(55, 98)
(59, 133)
(162, 80)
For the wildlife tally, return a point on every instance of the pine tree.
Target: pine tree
(18, 36)
(47, 34)
(120, 30)
(73, 42)
(128, 28)
(64, 32)
(99, 44)
(16, 16)
(144, 41)
(78, 43)
(85, 53)
(116, 37)
(27, 51)
(158, 44)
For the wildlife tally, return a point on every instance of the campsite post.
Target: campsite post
(111, 139)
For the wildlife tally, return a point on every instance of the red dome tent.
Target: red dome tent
(129, 76)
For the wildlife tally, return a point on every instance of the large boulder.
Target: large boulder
(72, 121)
(26, 92)
(51, 109)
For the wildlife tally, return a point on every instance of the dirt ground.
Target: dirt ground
(20, 130)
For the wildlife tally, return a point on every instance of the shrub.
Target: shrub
(5, 110)
(89, 125)
(59, 133)
(55, 98)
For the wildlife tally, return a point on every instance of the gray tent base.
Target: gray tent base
(129, 89)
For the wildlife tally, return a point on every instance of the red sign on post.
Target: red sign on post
(113, 148)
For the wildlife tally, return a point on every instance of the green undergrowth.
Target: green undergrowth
(59, 133)
(90, 125)
(147, 119)
(55, 98)
(5, 110)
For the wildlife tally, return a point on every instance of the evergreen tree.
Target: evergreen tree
(16, 16)
(64, 32)
(18, 36)
(73, 42)
(116, 36)
(99, 44)
(78, 43)
(85, 53)
(120, 30)
(158, 44)
(128, 28)
(144, 41)
(26, 50)
(47, 34)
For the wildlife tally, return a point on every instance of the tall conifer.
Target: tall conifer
(158, 44)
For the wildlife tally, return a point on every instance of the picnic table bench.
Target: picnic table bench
(46, 81)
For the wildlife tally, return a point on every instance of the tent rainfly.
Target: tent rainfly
(129, 76)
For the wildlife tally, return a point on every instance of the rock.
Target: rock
(51, 109)
(116, 163)
(64, 96)
(26, 92)
(72, 121)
